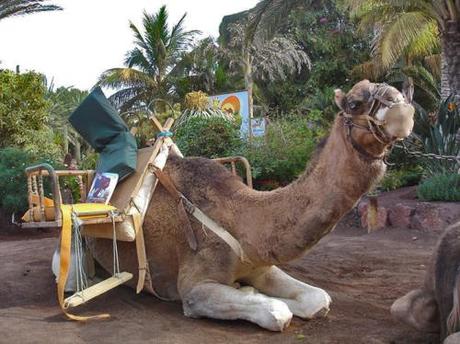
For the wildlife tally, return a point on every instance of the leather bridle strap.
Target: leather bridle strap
(348, 122)
(360, 149)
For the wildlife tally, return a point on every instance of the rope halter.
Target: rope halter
(399, 112)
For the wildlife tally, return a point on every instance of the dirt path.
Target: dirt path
(364, 273)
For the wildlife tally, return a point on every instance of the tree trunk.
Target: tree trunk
(450, 41)
(65, 142)
(77, 151)
(249, 83)
(445, 88)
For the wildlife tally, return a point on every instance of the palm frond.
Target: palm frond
(425, 81)
(127, 97)
(268, 16)
(9, 8)
(433, 63)
(425, 43)
(136, 58)
(124, 77)
(396, 37)
(278, 58)
(367, 70)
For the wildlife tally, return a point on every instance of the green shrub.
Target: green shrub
(13, 186)
(442, 187)
(89, 161)
(281, 156)
(208, 137)
(395, 179)
(23, 107)
(322, 101)
(436, 134)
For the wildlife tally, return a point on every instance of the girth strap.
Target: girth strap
(185, 206)
(166, 181)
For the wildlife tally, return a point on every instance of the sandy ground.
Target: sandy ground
(363, 273)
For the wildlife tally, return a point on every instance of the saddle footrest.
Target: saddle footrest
(100, 288)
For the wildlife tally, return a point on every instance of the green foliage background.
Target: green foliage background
(282, 155)
(209, 137)
(13, 185)
(442, 187)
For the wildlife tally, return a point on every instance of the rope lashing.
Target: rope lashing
(165, 133)
(116, 260)
(80, 274)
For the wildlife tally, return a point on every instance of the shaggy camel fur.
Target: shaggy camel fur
(272, 227)
(436, 306)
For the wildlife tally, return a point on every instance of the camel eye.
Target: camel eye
(354, 104)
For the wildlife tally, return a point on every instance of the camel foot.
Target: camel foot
(452, 339)
(218, 301)
(303, 300)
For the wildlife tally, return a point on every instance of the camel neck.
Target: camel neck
(292, 219)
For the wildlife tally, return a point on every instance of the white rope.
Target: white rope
(80, 274)
(116, 260)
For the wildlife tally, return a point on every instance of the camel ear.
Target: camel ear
(340, 99)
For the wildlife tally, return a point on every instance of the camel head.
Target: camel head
(383, 107)
(418, 309)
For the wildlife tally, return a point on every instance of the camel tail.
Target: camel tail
(453, 321)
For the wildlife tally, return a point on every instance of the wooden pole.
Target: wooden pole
(372, 214)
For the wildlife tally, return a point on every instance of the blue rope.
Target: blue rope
(165, 133)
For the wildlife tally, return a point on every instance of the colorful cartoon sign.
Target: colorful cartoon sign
(236, 103)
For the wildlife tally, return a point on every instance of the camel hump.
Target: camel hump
(192, 175)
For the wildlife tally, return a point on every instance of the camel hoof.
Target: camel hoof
(322, 313)
(314, 304)
(278, 318)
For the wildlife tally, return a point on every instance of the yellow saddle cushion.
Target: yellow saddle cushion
(86, 208)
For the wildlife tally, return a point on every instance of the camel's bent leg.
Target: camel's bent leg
(214, 300)
(303, 300)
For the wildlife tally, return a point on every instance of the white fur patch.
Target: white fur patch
(381, 113)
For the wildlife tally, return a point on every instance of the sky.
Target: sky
(74, 46)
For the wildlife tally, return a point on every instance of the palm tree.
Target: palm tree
(262, 58)
(63, 101)
(416, 26)
(9, 8)
(201, 64)
(151, 64)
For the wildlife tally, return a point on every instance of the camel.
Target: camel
(435, 306)
(272, 227)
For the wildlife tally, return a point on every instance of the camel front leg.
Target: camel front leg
(304, 300)
(218, 301)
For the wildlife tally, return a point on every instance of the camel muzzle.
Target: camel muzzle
(399, 120)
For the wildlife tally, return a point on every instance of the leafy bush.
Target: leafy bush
(435, 133)
(208, 137)
(281, 156)
(23, 107)
(44, 144)
(395, 179)
(322, 101)
(442, 187)
(13, 186)
(89, 161)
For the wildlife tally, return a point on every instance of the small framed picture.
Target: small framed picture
(102, 188)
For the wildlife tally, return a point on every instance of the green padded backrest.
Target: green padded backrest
(98, 122)
(119, 156)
